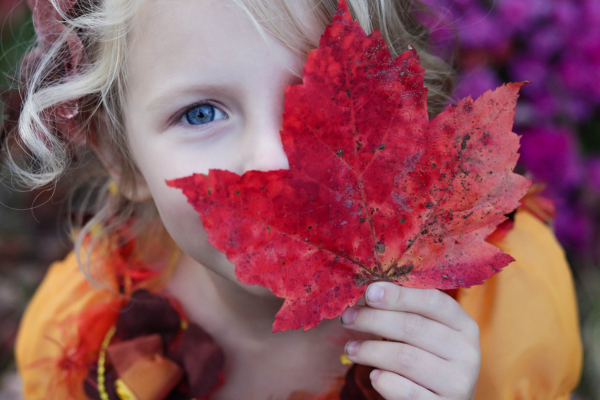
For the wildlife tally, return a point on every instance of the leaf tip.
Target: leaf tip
(343, 11)
(514, 87)
(520, 84)
(176, 183)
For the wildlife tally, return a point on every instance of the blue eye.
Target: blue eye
(203, 114)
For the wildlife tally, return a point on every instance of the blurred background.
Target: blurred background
(554, 44)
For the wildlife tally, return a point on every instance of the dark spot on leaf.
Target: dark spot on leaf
(361, 219)
(463, 145)
(339, 153)
(445, 276)
(310, 227)
(403, 270)
(237, 192)
(358, 145)
(382, 146)
(429, 205)
(209, 191)
(262, 188)
(380, 248)
(348, 93)
(269, 228)
(403, 220)
(424, 232)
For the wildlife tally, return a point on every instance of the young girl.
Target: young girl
(159, 89)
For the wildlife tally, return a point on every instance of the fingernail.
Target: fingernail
(352, 348)
(374, 374)
(349, 315)
(375, 293)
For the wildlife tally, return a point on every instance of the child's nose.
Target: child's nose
(264, 151)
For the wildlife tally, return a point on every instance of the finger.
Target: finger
(395, 387)
(421, 332)
(430, 303)
(421, 367)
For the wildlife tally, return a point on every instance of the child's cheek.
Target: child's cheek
(184, 225)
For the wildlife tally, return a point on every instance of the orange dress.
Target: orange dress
(527, 315)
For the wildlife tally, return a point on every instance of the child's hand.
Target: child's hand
(432, 348)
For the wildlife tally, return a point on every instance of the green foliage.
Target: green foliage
(14, 45)
(16, 40)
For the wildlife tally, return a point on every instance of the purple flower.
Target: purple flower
(478, 28)
(591, 12)
(475, 82)
(574, 228)
(576, 108)
(545, 104)
(580, 77)
(526, 113)
(529, 69)
(551, 155)
(566, 15)
(546, 42)
(518, 15)
(593, 174)
(555, 44)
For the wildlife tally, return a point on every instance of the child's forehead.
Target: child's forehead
(288, 21)
(182, 50)
(175, 43)
(180, 27)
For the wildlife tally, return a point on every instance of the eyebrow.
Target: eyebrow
(171, 94)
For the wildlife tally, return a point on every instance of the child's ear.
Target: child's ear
(138, 193)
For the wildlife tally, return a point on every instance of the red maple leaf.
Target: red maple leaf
(375, 191)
